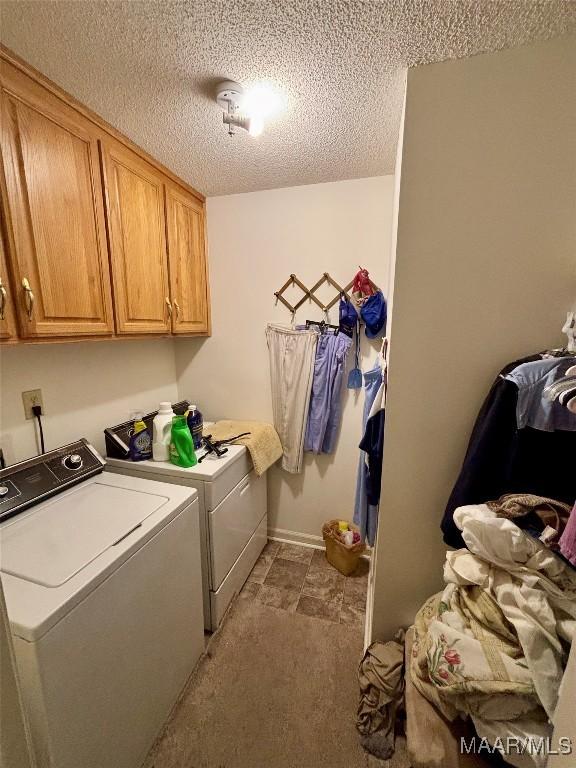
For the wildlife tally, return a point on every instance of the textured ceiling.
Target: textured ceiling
(150, 68)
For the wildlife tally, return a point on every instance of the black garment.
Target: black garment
(373, 444)
(504, 459)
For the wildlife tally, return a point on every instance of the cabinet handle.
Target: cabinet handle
(2, 299)
(177, 309)
(29, 298)
(169, 306)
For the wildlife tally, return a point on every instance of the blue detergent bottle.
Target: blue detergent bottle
(195, 425)
(140, 446)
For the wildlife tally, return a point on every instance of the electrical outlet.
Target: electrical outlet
(31, 398)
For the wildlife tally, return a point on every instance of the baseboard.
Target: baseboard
(304, 539)
(368, 621)
(293, 537)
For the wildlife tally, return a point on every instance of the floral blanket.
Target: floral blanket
(463, 665)
(493, 645)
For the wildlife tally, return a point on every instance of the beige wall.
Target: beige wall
(485, 272)
(255, 241)
(86, 386)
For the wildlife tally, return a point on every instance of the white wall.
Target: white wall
(256, 241)
(86, 386)
(485, 272)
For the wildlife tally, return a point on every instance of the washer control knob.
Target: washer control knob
(4, 490)
(74, 461)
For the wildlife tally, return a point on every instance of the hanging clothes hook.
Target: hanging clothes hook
(384, 347)
(569, 329)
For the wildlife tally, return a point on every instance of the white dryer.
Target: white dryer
(102, 579)
(233, 518)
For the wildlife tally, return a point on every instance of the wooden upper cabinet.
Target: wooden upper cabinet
(99, 238)
(7, 315)
(54, 211)
(187, 262)
(136, 229)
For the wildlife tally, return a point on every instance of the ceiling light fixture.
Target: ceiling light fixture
(246, 109)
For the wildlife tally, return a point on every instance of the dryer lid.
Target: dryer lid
(48, 546)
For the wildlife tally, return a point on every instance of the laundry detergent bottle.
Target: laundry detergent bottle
(162, 432)
(182, 445)
(196, 425)
(140, 445)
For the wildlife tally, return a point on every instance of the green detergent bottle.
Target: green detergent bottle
(181, 444)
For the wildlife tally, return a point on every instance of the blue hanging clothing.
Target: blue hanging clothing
(533, 408)
(373, 444)
(347, 313)
(374, 313)
(325, 410)
(366, 514)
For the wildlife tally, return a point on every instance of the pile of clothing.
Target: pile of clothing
(490, 649)
(494, 644)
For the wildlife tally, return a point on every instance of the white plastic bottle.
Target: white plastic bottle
(161, 430)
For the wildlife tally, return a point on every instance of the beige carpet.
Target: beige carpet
(276, 690)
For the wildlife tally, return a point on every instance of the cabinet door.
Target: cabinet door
(187, 260)
(55, 214)
(136, 227)
(7, 316)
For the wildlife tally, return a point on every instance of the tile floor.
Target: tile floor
(300, 580)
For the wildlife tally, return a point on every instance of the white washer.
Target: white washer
(103, 590)
(233, 518)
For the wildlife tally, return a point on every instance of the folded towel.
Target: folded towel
(262, 443)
